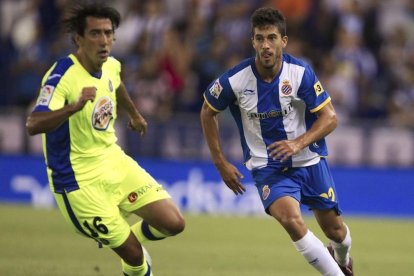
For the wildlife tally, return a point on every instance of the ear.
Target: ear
(284, 41)
(77, 39)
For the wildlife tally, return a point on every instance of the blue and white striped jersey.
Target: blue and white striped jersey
(267, 112)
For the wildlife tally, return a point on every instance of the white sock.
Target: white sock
(317, 255)
(342, 249)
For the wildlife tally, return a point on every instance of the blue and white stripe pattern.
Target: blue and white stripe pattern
(268, 112)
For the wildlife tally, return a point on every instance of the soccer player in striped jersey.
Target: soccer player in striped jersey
(283, 114)
(94, 182)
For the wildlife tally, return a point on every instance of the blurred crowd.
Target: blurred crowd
(362, 50)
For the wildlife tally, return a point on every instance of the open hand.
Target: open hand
(138, 124)
(231, 177)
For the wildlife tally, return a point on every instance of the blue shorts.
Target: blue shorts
(312, 186)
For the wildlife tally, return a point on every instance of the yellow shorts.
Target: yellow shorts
(98, 209)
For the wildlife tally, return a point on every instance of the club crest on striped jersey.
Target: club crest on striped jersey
(45, 95)
(216, 89)
(286, 88)
(265, 192)
(102, 113)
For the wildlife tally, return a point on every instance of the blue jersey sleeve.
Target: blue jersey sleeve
(219, 94)
(311, 91)
(52, 92)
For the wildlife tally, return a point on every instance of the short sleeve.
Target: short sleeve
(312, 92)
(219, 94)
(54, 91)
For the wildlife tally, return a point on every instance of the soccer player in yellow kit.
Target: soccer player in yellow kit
(94, 182)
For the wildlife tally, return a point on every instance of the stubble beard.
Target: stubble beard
(267, 64)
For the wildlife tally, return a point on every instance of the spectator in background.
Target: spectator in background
(210, 59)
(297, 11)
(7, 58)
(131, 31)
(28, 31)
(231, 23)
(319, 31)
(213, 31)
(176, 59)
(397, 55)
(156, 22)
(358, 69)
(32, 58)
(50, 12)
(402, 103)
(151, 91)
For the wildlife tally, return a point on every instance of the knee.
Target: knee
(176, 226)
(292, 222)
(294, 226)
(289, 218)
(134, 258)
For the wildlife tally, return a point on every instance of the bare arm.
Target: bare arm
(229, 173)
(46, 121)
(136, 121)
(324, 125)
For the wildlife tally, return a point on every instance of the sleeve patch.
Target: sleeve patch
(318, 88)
(216, 89)
(45, 96)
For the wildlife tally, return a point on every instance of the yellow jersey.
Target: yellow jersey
(77, 151)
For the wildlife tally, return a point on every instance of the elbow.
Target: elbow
(31, 130)
(31, 127)
(334, 121)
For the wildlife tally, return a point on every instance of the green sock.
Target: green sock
(142, 270)
(144, 232)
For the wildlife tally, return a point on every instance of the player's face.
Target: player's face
(269, 45)
(96, 43)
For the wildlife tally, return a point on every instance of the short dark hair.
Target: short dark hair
(76, 20)
(266, 16)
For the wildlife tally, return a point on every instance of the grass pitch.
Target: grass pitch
(39, 243)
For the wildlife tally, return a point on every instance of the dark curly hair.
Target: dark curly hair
(266, 16)
(76, 20)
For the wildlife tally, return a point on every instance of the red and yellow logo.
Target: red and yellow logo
(102, 113)
(45, 95)
(132, 197)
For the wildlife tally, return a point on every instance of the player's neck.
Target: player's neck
(89, 66)
(268, 74)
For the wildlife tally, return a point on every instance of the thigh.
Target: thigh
(92, 213)
(285, 208)
(273, 184)
(318, 191)
(138, 189)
